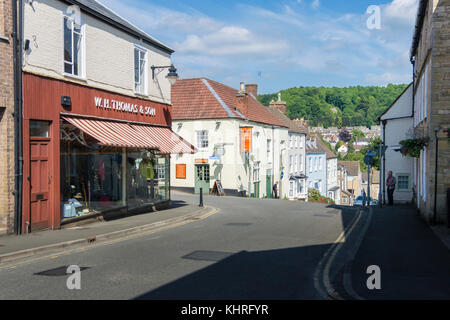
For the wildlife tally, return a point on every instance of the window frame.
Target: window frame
(82, 71)
(200, 143)
(398, 175)
(144, 50)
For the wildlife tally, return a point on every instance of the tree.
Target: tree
(345, 136)
(358, 133)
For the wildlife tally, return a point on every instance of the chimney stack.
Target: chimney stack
(280, 105)
(242, 101)
(252, 88)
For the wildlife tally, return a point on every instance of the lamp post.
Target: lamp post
(172, 76)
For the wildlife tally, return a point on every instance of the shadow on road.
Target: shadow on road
(286, 273)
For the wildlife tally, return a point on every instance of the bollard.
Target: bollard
(201, 198)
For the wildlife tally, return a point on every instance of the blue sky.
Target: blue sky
(281, 44)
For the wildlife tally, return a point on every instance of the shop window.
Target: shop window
(39, 129)
(181, 171)
(140, 70)
(73, 48)
(96, 178)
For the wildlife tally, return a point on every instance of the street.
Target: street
(253, 249)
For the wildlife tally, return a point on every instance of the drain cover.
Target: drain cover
(207, 255)
(239, 224)
(57, 272)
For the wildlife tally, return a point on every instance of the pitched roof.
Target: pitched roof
(292, 126)
(352, 167)
(318, 147)
(109, 16)
(202, 98)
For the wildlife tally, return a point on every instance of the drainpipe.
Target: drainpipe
(17, 10)
(384, 122)
(436, 130)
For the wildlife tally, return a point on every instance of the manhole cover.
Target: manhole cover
(239, 224)
(207, 255)
(57, 272)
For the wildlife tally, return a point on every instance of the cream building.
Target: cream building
(214, 117)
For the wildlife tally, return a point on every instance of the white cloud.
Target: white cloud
(386, 78)
(403, 11)
(231, 41)
(315, 4)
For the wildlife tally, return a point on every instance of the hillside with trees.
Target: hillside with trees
(338, 107)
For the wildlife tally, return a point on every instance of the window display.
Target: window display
(95, 178)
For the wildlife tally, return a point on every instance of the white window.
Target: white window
(291, 164)
(296, 163)
(269, 150)
(140, 70)
(73, 48)
(320, 163)
(256, 177)
(202, 139)
(310, 164)
(296, 141)
(316, 160)
(290, 141)
(403, 182)
(300, 162)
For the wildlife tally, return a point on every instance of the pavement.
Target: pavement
(414, 259)
(15, 247)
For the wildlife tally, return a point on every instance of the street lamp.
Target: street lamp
(172, 76)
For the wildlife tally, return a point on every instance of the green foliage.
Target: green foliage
(340, 107)
(412, 147)
(359, 156)
(315, 196)
(356, 133)
(327, 144)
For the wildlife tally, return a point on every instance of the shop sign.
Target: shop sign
(116, 105)
(246, 140)
(201, 160)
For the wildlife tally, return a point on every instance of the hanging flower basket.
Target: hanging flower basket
(412, 147)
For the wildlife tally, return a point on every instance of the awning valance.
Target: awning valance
(129, 135)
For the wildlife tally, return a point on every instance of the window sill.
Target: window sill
(141, 95)
(4, 38)
(73, 77)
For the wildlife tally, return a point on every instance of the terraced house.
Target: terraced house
(96, 115)
(240, 143)
(430, 55)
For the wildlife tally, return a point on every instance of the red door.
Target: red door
(40, 181)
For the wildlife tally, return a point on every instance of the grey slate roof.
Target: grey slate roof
(104, 13)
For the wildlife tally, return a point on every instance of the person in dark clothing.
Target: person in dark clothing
(275, 190)
(390, 183)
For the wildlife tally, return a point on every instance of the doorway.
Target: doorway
(40, 175)
(202, 178)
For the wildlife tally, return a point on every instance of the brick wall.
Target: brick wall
(6, 120)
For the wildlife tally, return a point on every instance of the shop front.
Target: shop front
(89, 152)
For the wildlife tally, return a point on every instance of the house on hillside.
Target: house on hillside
(240, 143)
(353, 177)
(316, 164)
(295, 180)
(397, 125)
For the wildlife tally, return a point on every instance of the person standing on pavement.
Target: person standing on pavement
(275, 190)
(390, 183)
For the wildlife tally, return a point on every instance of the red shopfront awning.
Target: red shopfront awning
(121, 134)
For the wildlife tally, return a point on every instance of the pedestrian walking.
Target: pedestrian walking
(275, 190)
(390, 183)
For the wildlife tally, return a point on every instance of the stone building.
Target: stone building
(6, 119)
(430, 55)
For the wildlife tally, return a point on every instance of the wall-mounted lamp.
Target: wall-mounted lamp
(172, 76)
(26, 46)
